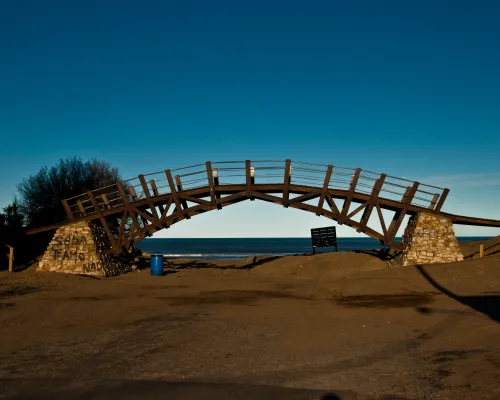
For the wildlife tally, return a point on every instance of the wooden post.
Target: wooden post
(111, 237)
(180, 189)
(348, 200)
(377, 187)
(215, 175)
(481, 250)
(286, 182)
(178, 183)
(210, 178)
(174, 194)
(156, 193)
(132, 193)
(249, 177)
(11, 258)
(126, 206)
(80, 207)
(154, 187)
(434, 200)
(324, 191)
(70, 215)
(151, 204)
(442, 199)
(400, 214)
(106, 201)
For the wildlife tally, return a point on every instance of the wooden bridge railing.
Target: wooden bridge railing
(267, 172)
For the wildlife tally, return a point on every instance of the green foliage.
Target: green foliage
(40, 204)
(41, 194)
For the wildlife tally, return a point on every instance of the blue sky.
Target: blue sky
(407, 88)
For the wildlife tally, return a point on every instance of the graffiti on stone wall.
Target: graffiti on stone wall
(68, 253)
(58, 254)
(92, 266)
(74, 240)
(82, 248)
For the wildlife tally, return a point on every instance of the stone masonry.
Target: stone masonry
(81, 248)
(429, 239)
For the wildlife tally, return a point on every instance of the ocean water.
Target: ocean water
(236, 248)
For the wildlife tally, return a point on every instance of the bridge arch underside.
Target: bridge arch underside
(199, 203)
(137, 219)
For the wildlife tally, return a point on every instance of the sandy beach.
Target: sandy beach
(298, 327)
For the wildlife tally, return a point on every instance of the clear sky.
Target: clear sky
(407, 88)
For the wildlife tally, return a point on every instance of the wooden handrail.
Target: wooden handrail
(365, 193)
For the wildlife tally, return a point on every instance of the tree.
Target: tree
(12, 217)
(41, 194)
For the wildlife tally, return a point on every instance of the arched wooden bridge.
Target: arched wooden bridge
(134, 209)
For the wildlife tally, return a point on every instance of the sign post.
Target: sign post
(11, 257)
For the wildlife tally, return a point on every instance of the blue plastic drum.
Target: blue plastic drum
(157, 264)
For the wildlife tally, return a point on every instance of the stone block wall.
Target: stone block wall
(81, 248)
(429, 239)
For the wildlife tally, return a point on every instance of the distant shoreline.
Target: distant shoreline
(242, 248)
(461, 238)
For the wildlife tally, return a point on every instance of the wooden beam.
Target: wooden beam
(127, 207)
(352, 190)
(210, 178)
(80, 207)
(332, 204)
(70, 215)
(146, 216)
(232, 197)
(152, 183)
(216, 188)
(286, 182)
(304, 197)
(173, 218)
(163, 217)
(112, 240)
(134, 197)
(156, 193)
(400, 214)
(324, 191)
(11, 258)
(181, 189)
(133, 193)
(248, 177)
(192, 199)
(357, 210)
(145, 212)
(434, 201)
(443, 197)
(382, 222)
(105, 200)
(368, 231)
(121, 228)
(175, 196)
(267, 197)
(151, 204)
(373, 200)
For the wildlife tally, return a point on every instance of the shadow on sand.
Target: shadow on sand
(381, 254)
(196, 264)
(55, 389)
(486, 304)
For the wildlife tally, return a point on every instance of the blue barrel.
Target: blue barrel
(156, 264)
